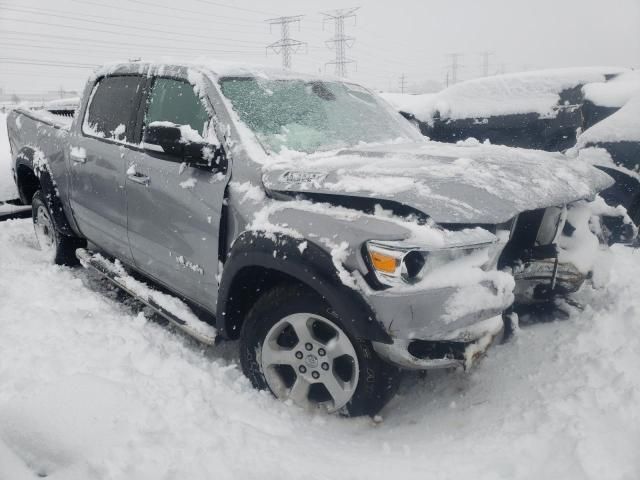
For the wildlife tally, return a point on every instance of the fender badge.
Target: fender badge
(302, 177)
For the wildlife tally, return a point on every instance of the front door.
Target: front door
(174, 210)
(97, 163)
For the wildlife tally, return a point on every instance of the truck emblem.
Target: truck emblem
(302, 177)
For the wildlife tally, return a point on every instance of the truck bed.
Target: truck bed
(43, 138)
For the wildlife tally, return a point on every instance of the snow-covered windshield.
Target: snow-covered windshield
(311, 116)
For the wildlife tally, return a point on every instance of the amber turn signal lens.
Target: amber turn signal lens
(384, 263)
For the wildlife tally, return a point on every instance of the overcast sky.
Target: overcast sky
(48, 44)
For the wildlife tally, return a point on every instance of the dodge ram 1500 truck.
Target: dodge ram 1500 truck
(302, 216)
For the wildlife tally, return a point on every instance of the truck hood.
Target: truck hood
(463, 183)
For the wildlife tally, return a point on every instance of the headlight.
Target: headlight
(396, 262)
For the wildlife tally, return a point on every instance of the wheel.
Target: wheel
(61, 249)
(293, 344)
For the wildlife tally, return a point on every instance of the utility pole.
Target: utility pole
(485, 62)
(340, 42)
(403, 79)
(454, 67)
(286, 45)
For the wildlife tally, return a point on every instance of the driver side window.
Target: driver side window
(175, 101)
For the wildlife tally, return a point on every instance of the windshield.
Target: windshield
(311, 116)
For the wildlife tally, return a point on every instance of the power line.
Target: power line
(224, 5)
(248, 27)
(198, 18)
(286, 45)
(137, 28)
(29, 61)
(339, 40)
(111, 43)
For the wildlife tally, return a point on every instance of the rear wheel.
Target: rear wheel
(293, 344)
(59, 248)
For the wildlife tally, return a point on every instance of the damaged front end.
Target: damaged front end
(539, 253)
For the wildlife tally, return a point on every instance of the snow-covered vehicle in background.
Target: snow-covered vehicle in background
(613, 145)
(545, 110)
(304, 217)
(537, 109)
(65, 107)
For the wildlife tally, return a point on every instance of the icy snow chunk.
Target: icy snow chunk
(118, 131)
(188, 183)
(78, 152)
(248, 190)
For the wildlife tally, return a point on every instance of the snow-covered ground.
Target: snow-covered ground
(91, 388)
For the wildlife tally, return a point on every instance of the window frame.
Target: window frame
(131, 122)
(148, 89)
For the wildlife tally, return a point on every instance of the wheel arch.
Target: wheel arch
(30, 179)
(259, 262)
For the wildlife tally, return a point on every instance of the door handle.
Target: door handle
(141, 179)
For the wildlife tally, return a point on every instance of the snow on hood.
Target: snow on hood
(524, 92)
(622, 126)
(465, 183)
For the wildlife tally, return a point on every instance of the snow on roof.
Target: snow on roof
(525, 92)
(215, 67)
(405, 102)
(623, 125)
(616, 92)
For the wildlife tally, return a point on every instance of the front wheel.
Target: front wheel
(59, 248)
(293, 344)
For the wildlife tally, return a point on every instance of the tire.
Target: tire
(60, 248)
(270, 334)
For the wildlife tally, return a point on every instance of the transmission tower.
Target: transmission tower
(286, 46)
(403, 80)
(453, 68)
(485, 62)
(340, 42)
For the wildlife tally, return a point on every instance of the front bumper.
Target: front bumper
(429, 355)
(541, 280)
(441, 327)
(444, 313)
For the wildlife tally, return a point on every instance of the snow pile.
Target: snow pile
(616, 92)
(623, 125)
(91, 389)
(525, 92)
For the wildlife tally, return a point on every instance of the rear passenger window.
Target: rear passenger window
(111, 108)
(175, 101)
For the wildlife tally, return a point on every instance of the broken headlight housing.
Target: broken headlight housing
(398, 263)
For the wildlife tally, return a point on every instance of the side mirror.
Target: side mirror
(163, 137)
(168, 138)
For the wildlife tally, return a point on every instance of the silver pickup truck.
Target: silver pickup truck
(302, 216)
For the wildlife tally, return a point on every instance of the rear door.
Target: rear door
(174, 210)
(97, 163)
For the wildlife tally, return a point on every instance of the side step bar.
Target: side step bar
(169, 307)
(10, 209)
